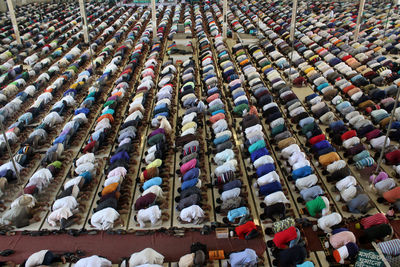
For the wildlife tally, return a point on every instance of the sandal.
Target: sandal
(7, 252)
(92, 232)
(120, 232)
(11, 233)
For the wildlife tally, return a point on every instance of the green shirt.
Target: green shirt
(215, 107)
(257, 145)
(307, 128)
(110, 102)
(315, 206)
(239, 109)
(277, 129)
(155, 139)
(56, 164)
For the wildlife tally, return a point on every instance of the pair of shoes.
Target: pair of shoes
(6, 252)
(73, 232)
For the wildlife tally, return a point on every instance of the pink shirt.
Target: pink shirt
(341, 239)
(188, 166)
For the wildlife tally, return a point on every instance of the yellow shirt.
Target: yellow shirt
(308, 70)
(189, 125)
(155, 163)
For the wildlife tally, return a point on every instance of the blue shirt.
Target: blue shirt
(151, 182)
(270, 188)
(221, 139)
(321, 145)
(189, 183)
(302, 172)
(258, 154)
(248, 257)
(236, 213)
(191, 174)
(357, 204)
(264, 169)
(123, 155)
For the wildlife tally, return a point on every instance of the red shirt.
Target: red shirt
(393, 157)
(244, 229)
(317, 139)
(284, 237)
(376, 219)
(348, 135)
(89, 147)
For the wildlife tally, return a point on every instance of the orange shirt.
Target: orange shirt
(106, 116)
(109, 188)
(392, 195)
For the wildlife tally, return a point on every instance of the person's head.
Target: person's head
(380, 200)
(270, 244)
(268, 231)
(300, 200)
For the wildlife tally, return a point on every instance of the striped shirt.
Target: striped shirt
(391, 247)
(376, 219)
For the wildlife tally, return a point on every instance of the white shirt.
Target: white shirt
(351, 142)
(226, 132)
(262, 161)
(337, 165)
(306, 182)
(57, 215)
(36, 259)
(188, 118)
(52, 119)
(226, 195)
(191, 214)
(345, 183)
(219, 126)
(152, 214)
(155, 189)
(85, 167)
(223, 156)
(104, 219)
(146, 256)
(86, 158)
(276, 197)
(164, 123)
(119, 171)
(378, 142)
(73, 181)
(103, 124)
(227, 166)
(267, 178)
(65, 202)
(112, 180)
(254, 128)
(93, 261)
(300, 164)
(40, 179)
(288, 151)
(295, 157)
(348, 193)
(326, 222)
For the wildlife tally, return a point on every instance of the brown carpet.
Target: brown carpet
(114, 247)
(396, 227)
(314, 238)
